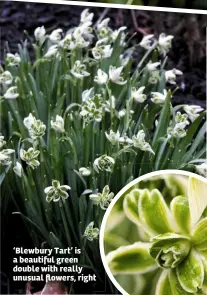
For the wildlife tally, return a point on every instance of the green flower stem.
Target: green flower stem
(66, 229)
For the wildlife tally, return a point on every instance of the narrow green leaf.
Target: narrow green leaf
(131, 259)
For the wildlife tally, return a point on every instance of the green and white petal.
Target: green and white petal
(175, 285)
(181, 213)
(163, 285)
(199, 235)
(130, 206)
(154, 213)
(55, 183)
(197, 198)
(131, 259)
(190, 273)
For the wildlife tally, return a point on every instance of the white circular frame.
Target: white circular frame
(115, 199)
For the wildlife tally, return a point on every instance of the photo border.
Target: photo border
(115, 199)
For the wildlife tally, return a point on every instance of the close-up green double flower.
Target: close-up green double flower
(173, 240)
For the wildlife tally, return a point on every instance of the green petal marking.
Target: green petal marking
(175, 285)
(130, 205)
(199, 235)
(131, 259)
(154, 213)
(163, 285)
(190, 273)
(180, 209)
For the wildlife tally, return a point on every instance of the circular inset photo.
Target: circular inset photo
(153, 238)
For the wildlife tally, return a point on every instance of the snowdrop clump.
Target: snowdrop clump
(87, 114)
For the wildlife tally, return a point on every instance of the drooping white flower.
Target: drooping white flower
(102, 199)
(83, 31)
(5, 157)
(88, 93)
(101, 77)
(18, 169)
(11, 93)
(202, 169)
(52, 51)
(35, 127)
(154, 77)
(2, 141)
(139, 142)
(170, 75)
(68, 42)
(138, 95)
(125, 140)
(116, 33)
(121, 113)
(56, 35)
(181, 120)
(103, 163)
(93, 109)
(113, 137)
(58, 124)
(56, 191)
(152, 66)
(79, 70)
(192, 111)
(159, 98)
(115, 75)
(86, 16)
(39, 34)
(84, 171)
(6, 78)
(91, 233)
(13, 59)
(101, 51)
(164, 43)
(147, 42)
(30, 157)
(103, 24)
(104, 31)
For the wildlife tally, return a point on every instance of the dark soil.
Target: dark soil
(187, 54)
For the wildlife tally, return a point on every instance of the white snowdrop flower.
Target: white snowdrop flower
(88, 93)
(164, 43)
(85, 31)
(18, 169)
(11, 93)
(68, 42)
(116, 33)
(30, 157)
(159, 98)
(104, 23)
(181, 120)
(202, 169)
(5, 157)
(192, 111)
(79, 70)
(147, 42)
(91, 233)
(125, 140)
(56, 35)
(58, 124)
(56, 192)
(170, 75)
(101, 51)
(152, 66)
(138, 95)
(121, 113)
(84, 171)
(101, 77)
(86, 16)
(113, 137)
(39, 34)
(6, 78)
(13, 59)
(110, 104)
(102, 199)
(103, 163)
(116, 76)
(36, 128)
(139, 142)
(154, 77)
(2, 141)
(52, 51)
